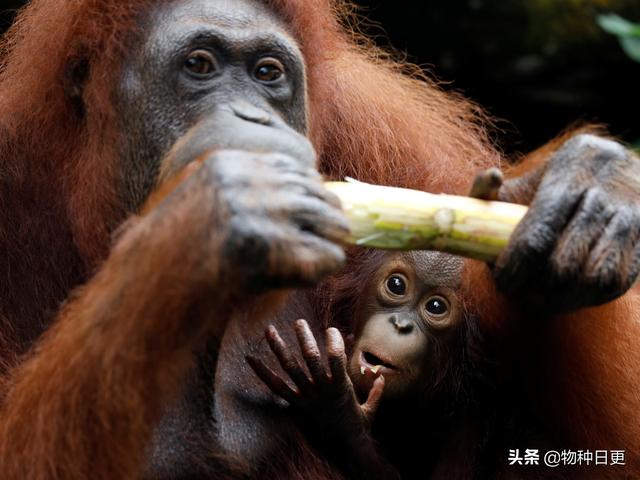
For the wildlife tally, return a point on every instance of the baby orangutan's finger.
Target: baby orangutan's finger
(370, 407)
(310, 351)
(272, 380)
(287, 360)
(337, 358)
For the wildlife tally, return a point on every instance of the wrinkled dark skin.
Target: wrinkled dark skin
(257, 166)
(268, 223)
(252, 174)
(580, 241)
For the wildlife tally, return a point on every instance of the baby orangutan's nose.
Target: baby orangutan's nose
(401, 324)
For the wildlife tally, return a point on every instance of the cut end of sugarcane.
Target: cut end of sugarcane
(401, 219)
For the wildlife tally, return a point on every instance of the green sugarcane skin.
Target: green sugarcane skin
(400, 219)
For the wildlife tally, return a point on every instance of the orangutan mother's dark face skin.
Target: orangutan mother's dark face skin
(211, 75)
(231, 63)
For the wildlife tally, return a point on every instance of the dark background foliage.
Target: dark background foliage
(536, 65)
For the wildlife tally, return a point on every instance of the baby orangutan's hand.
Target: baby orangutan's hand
(324, 403)
(324, 399)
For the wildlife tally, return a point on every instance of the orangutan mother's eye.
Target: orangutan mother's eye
(269, 70)
(201, 64)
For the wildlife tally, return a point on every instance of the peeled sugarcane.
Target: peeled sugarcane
(401, 219)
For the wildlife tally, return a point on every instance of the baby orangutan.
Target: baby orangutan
(407, 357)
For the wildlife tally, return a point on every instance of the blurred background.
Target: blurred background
(537, 66)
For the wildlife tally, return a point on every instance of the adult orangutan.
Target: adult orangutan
(158, 192)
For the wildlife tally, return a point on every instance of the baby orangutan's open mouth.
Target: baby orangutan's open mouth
(374, 363)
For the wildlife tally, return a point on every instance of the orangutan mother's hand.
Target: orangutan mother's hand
(579, 244)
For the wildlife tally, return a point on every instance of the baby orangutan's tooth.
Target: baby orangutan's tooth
(362, 369)
(376, 369)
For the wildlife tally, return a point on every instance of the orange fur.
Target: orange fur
(589, 361)
(83, 403)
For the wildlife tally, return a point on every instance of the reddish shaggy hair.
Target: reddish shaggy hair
(59, 170)
(369, 120)
(379, 125)
(386, 121)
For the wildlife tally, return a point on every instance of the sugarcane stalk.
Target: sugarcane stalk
(402, 219)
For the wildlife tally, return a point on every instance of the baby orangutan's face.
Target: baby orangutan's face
(404, 317)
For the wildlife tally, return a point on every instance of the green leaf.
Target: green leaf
(631, 46)
(617, 25)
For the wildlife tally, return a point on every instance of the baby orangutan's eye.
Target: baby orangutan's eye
(436, 306)
(396, 285)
